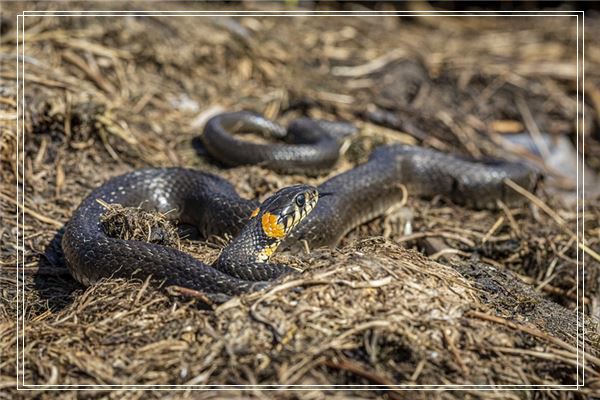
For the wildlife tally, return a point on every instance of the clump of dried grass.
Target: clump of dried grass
(134, 223)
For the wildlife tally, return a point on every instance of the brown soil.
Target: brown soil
(470, 297)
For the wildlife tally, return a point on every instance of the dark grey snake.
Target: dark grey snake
(214, 207)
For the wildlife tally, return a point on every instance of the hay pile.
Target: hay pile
(107, 95)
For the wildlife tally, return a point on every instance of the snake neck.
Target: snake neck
(252, 245)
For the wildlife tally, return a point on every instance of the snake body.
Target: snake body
(313, 145)
(215, 208)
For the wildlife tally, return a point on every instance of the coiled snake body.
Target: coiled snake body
(214, 207)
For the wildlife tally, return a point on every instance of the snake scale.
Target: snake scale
(291, 216)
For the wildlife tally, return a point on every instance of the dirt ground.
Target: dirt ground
(469, 297)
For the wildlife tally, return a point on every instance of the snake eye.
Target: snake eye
(300, 200)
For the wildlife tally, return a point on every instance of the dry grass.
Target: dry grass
(105, 96)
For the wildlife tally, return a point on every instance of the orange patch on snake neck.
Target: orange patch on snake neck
(271, 227)
(254, 213)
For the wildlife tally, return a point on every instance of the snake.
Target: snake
(295, 217)
(313, 145)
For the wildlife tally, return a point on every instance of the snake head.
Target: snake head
(281, 212)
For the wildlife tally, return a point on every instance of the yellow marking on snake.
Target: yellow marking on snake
(265, 254)
(254, 213)
(271, 227)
